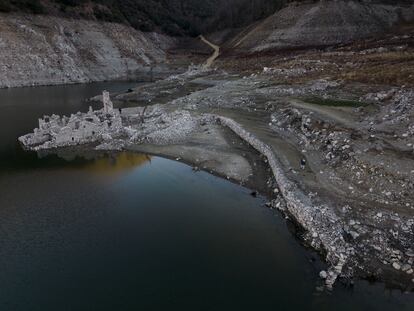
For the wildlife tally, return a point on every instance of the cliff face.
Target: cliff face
(321, 24)
(44, 50)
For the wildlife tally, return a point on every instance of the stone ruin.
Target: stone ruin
(107, 104)
(80, 128)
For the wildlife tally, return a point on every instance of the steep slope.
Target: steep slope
(322, 23)
(39, 50)
(174, 17)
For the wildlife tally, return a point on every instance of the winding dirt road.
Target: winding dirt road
(213, 57)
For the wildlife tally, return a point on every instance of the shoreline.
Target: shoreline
(143, 77)
(339, 226)
(271, 200)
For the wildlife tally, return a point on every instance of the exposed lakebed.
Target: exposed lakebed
(128, 231)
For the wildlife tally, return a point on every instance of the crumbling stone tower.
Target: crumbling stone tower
(108, 105)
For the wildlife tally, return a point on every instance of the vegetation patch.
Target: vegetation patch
(30, 6)
(333, 102)
(5, 6)
(390, 68)
(174, 17)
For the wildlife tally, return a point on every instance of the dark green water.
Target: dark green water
(132, 232)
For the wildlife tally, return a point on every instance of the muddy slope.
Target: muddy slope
(319, 24)
(42, 50)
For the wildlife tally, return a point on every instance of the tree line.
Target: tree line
(174, 17)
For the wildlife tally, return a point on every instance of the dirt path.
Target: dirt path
(213, 57)
(341, 116)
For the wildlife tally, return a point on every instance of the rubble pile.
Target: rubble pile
(350, 158)
(157, 126)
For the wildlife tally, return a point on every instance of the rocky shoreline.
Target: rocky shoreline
(360, 232)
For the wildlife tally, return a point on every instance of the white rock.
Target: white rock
(354, 234)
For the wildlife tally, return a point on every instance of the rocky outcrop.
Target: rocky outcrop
(45, 50)
(320, 24)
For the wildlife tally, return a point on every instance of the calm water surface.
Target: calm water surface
(133, 232)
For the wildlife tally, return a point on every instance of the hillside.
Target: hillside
(43, 50)
(174, 17)
(69, 41)
(321, 24)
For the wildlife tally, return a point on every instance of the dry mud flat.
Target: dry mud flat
(354, 194)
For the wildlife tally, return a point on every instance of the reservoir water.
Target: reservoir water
(137, 232)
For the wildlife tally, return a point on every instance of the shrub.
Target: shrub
(35, 6)
(5, 6)
(32, 6)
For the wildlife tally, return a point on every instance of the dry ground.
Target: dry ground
(386, 61)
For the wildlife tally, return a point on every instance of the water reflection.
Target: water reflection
(112, 163)
(118, 163)
(93, 162)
